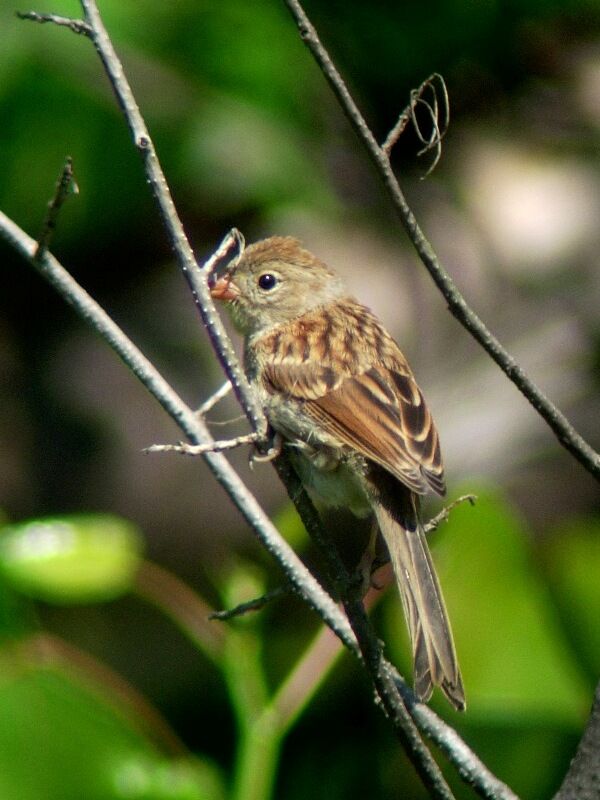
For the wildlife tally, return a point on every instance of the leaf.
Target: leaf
(71, 559)
(571, 559)
(71, 729)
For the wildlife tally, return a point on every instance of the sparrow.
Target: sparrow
(339, 392)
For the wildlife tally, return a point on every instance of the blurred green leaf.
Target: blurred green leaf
(571, 558)
(142, 778)
(58, 716)
(290, 525)
(71, 559)
(515, 660)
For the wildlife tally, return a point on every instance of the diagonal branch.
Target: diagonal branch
(564, 431)
(193, 426)
(581, 780)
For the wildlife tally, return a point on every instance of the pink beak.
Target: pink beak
(224, 289)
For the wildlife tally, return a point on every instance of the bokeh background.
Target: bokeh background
(106, 695)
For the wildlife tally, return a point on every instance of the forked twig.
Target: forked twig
(444, 514)
(234, 239)
(217, 446)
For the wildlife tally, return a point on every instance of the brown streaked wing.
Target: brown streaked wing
(304, 381)
(380, 414)
(420, 431)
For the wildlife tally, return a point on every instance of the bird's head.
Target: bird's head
(274, 282)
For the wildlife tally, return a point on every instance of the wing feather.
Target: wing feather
(381, 413)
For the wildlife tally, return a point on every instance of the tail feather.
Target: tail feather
(435, 661)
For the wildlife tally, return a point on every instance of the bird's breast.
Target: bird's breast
(333, 482)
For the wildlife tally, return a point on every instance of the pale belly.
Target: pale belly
(333, 484)
(331, 473)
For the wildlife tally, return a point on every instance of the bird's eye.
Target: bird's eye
(267, 281)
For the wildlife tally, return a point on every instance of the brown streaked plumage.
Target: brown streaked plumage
(336, 386)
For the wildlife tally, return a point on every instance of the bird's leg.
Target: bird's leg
(274, 449)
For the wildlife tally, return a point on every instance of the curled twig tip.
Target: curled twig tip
(432, 96)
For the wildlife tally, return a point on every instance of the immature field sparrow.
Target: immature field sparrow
(336, 387)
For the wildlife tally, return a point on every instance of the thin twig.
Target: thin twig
(65, 185)
(565, 432)
(217, 446)
(256, 604)
(444, 514)
(233, 240)
(76, 25)
(439, 114)
(212, 401)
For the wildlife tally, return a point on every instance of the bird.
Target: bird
(337, 390)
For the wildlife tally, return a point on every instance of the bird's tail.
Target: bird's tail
(435, 661)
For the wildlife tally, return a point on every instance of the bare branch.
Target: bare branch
(303, 582)
(564, 431)
(581, 780)
(250, 605)
(76, 25)
(469, 766)
(200, 449)
(444, 514)
(64, 186)
(212, 401)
